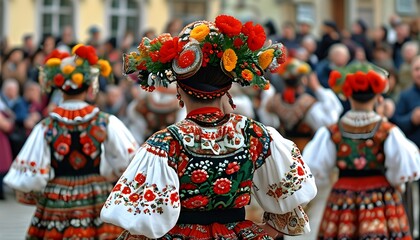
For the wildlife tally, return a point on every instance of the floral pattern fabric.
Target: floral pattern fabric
(210, 163)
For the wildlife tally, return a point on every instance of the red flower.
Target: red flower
(279, 192)
(195, 202)
(170, 50)
(199, 176)
(126, 190)
(59, 80)
(222, 186)
(242, 200)
(228, 25)
(300, 171)
(117, 188)
(232, 168)
(134, 197)
(289, 95)
(98, 133)
(89, 148)
(149, 195)
(347, 87)
(334, 76)
(154, 56)
(247, 183)
(140, 178)
(256, 35)
(238, 43)
(376, 82)
(186, 58)
(360, 82)
(207, 47)
(174, 197)
(56, 54)
(343, 150)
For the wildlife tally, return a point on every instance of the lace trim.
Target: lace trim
(360, 118)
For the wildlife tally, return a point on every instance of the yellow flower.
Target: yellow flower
(229, 59)
(303, 69)
(265, 58)
(267, 86)
(68, 69)
(105, 67)
(247, 75)
(53, 62)
(79, 61)
(200, 32)
(73, 50)
(77, 78)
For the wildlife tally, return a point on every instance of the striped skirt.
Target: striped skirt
(69, 208)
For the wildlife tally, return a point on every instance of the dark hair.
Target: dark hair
(208, 79)
(363, 96)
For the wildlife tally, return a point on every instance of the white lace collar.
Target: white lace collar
(360, 118)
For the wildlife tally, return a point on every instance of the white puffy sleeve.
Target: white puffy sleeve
(320, 155)
(118, 148)
(282, 184)
(31, 169)
(402, 159)
(145, 200)
(325, 111)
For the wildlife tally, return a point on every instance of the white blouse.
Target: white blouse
(31, 169)
(145, 200)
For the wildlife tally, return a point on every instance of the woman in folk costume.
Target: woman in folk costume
(373, 157)
(68, 156)
(299, 112)
(192, 179)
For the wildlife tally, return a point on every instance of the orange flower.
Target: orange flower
(200, 32)
(265, 58)
(68, 69)
(77, 78)
(53, 62)
(105, 67)
(247, 75)
(229, 59)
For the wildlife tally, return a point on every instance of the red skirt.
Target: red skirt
(240, 230)
(364, 208)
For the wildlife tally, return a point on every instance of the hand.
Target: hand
(415, 116)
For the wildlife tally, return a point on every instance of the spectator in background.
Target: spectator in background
(359, 36)
(408, 51)
(330, 36)
(14, 66)
(13, 101)
(288, 37)
(28, 47)
(48, 44)
(379, 36)
(36, 61)
(33, 99)
(338, 56)
(6, 126)
(110, 51)
(394, 21)
(271, 30)
(304, 29)
(94, 37)
(407, 113)
(149, 33)
(127, 43)
(66, 41)
(174, 26)
(115, 103)
(382, 56)
(309, 44)
(403, 36)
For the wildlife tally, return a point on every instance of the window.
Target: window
(123, 18)
(189, 10)
(55, 14)
(406, 7)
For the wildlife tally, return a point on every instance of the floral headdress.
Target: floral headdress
(73, 73)
(358, 78)
(238, 49)
(293, 68)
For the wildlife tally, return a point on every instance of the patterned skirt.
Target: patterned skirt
(364, 208)
(240, 230)
(69, 208)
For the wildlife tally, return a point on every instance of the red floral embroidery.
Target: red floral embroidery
(126, 190)
(247, 183)
(98, 133)
(242, 200)
(77, 160)
(149, 195)
(222, 186)
(343, 150)
(255, 148)
(188, 186)
(300, 171)
(134, 197)
(62, 144)
(174, 197)
(199, 176)
(195, 202)
(117, 188)
(232, 168)
(140, 178)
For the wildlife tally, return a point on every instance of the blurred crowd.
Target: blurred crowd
(392, 46)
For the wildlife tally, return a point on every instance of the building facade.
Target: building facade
(115, 17)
